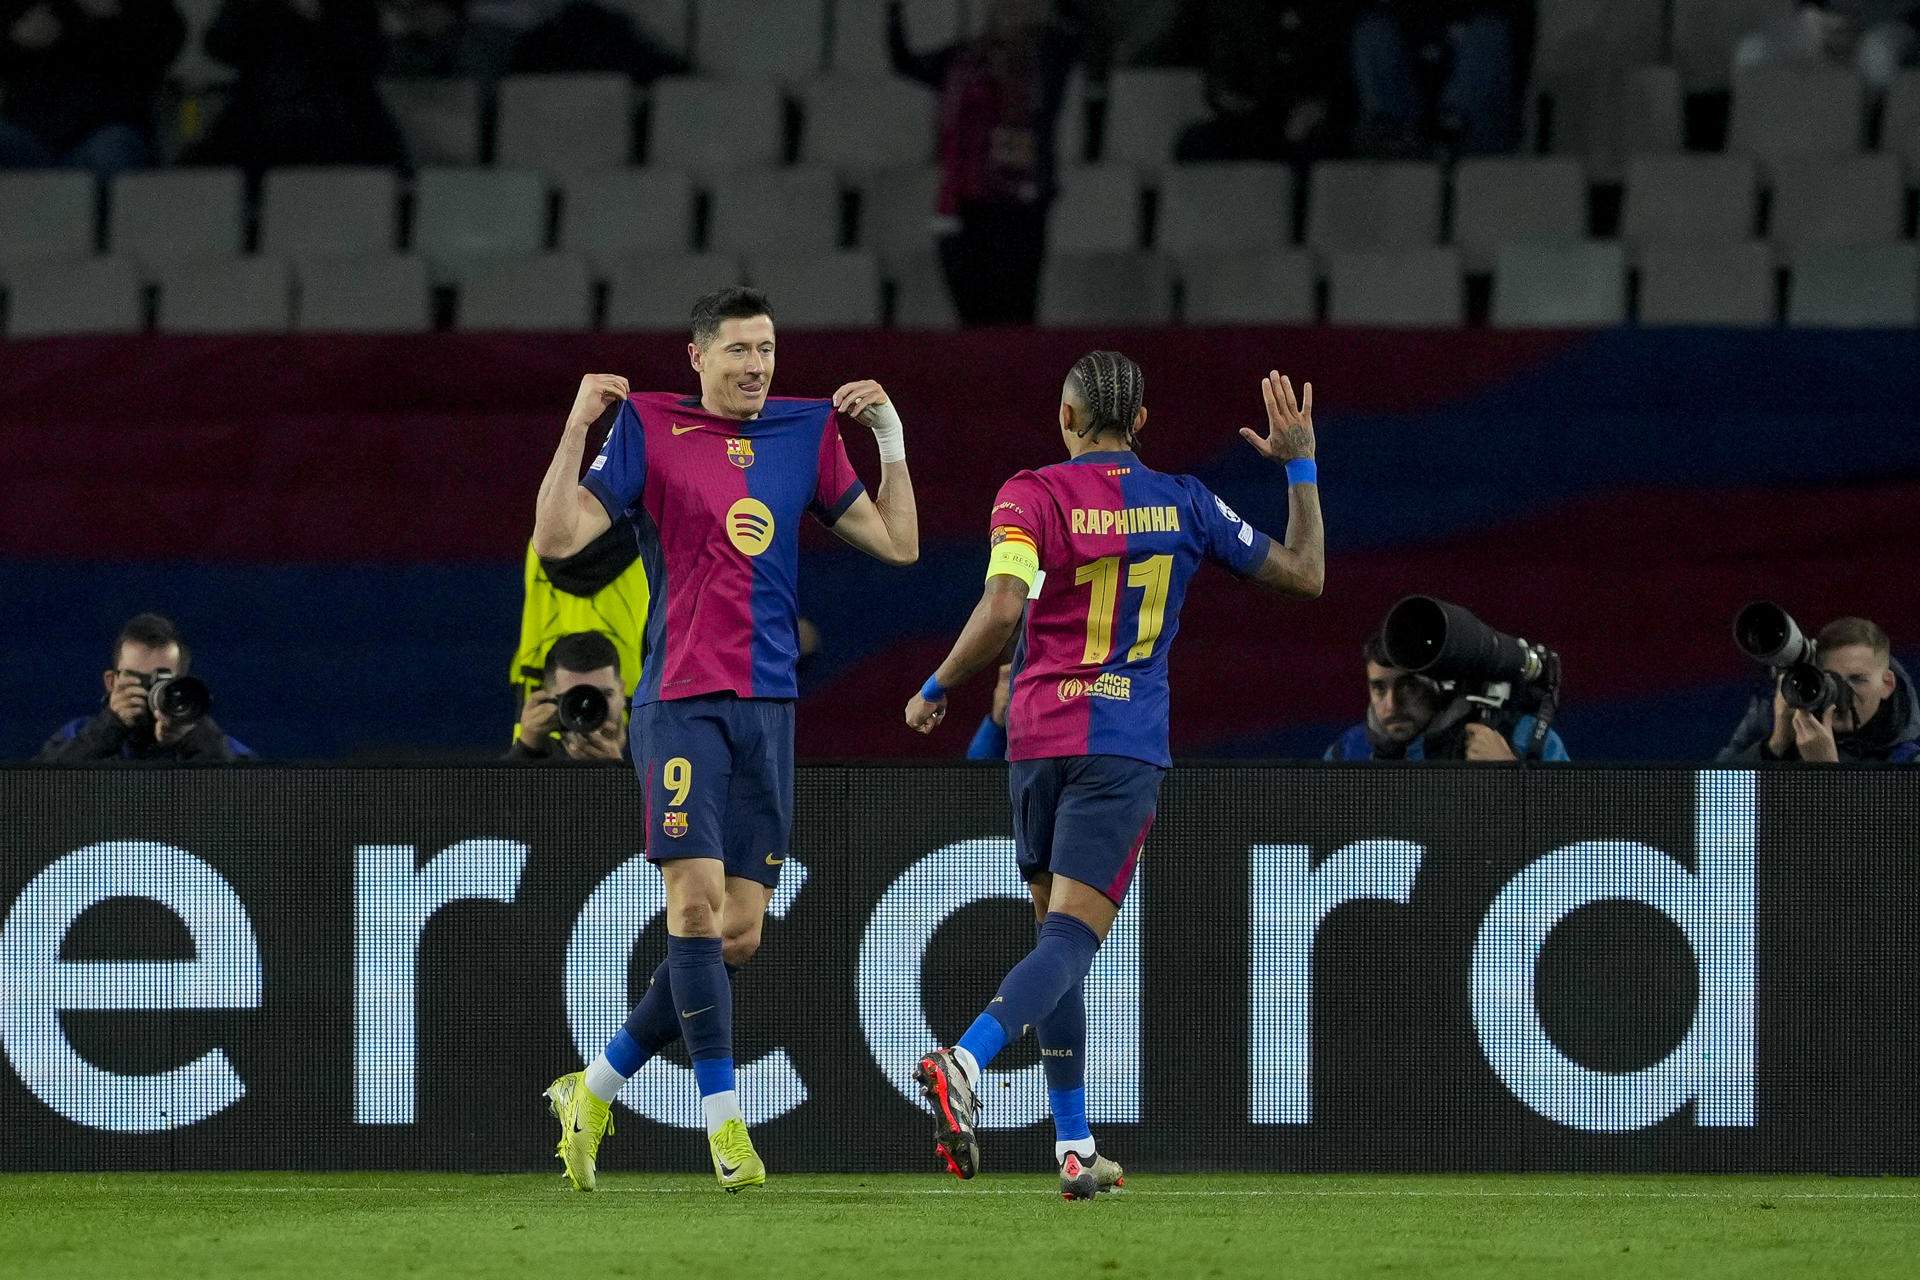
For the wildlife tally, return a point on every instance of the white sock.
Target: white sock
(1082, 1147)
(968, 1067)
(603, 1082)
(721, 1107)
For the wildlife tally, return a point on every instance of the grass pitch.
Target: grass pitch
(348, 1226)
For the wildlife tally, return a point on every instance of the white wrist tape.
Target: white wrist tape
(888, 431)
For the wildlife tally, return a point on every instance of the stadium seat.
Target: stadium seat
(88, 295)
(1402, 288)
(1855, 286)
(545, 293)
(179, 213)
(1688, 199)
(1705, 33)
(1573, 284)
(752, 39)
(440, 119)
(1072, 132)
(1575, 38)
(379, 293)
(820, 290)
(921, 299)
(898, 210)
(1707, 284)
(329, 212)
(478, 213)
(618, 212)
(224, 295)
(193, 68)
(1837, 200)
(1081, 290)
(1783, 113)
(1147, 110)
(859, 40)
(1900, 124)
(864, 122)
(1371, 204)
(565, 124)
(1210, 207)
(795, 209)
(1611, 115)
(1097, 210)
(667, 21)
(1501, 201)
(656, 291)
(1271, 286)
(46, 214)
(710, 126)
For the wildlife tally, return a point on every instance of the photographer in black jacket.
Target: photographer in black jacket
(579, 711)
(1879, 719)
(152, 710)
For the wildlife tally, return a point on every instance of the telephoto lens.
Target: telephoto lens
(1434, 638)
(583, 709)
(181, 699)
(1767, 633)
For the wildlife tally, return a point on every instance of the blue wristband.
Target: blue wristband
(1302, 471)
(931, 690)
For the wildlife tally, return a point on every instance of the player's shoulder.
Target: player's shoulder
(660, 405)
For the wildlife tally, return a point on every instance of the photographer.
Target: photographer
(1877, 719)
(134, 723)
(563, 721)
(1410, 717)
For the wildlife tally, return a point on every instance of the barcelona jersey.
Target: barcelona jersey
(1117, 543)
(716, 506)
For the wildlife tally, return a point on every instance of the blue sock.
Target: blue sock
(704, 1005)
(1033, 987)
(651, 1027)
(1063, 1055)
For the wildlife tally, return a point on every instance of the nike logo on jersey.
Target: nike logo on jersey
(695, 1013)
(680, 431)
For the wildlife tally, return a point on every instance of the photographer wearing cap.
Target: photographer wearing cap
(579, 712)
(1410, 717)
(1866, 710)
(153, 710)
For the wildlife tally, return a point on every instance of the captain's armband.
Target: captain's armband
(1014, 554)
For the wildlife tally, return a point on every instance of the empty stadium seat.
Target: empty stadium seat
(1707, 284)
(859, 40)
(1782, 113)
(1207, 207)
(1501, 201)
(1856, 286)
(866, 122)
(1689, 198)
(1372, 204)
(656, 291)
(1072, 132)
(440, 119)
(1837, 200)
(667, 21)
(331, 212)
(1575, 38)
(751, 38)
(179, 213)
(478, 213)
(47, 214)
(710, 126)
(1273, 286)
(796, 209)
(1097, 210)
(378, 293)
(898, 210)
(1147, 110)
(224, 295)
(88, 295)
(1705, 33)
(1402, 288)
(614, 213)
(1080, 290)
(820, 290)
(565, 124)
(1573, 284)
(1611, 115)
(1900, 124)
(546, 293)
(921, 299)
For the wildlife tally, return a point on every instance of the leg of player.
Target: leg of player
(583, 1100)
(696, 904)
(1063, 1055)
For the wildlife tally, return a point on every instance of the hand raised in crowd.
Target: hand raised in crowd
(128, 701)
(1289, 421)
(597, 391)
(1485, 743)
(603, 743)
(539, 717)
(1813, 736)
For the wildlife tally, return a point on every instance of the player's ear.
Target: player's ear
(1140, 420)
(107, 678)
(693, 355)
(1066, 416)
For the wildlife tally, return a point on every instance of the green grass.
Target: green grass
(424, 1225)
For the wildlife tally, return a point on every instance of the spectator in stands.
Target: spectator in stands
(1409, 717)
(126, 727)
(79, 79)
(1883, 722)
(585, 658)
(1276, 81)
(1439, 72)
(1000, 95)
(304, 87)
(1875, 37)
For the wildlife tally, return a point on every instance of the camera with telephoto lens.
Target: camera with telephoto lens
(583, 709)
(1483, 667)
(182, 699)
(1768, 634)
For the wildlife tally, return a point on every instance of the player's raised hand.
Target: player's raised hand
(856, 398)
(1289, 422)
(597, 391)
(923, 716)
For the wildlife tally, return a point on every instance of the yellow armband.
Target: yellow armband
(1014, 554)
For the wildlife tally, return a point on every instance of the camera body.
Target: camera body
(182, 699)
(1486, 670)
(1768, 634)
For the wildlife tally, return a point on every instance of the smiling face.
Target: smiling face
(735, 367)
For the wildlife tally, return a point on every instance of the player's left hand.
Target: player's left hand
(924, 716)
(1813, 737)
(855, 398)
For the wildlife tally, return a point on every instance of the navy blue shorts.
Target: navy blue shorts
(718, 776)
(1083, 817)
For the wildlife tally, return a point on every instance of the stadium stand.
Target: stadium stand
(1208, 207)
(861, 122)
(1705, 33)
(751, 39)
(479, 213)
(795, 209)
(1274, 286)
(223, 295)
(920, 296)
(1498, 201)
(1398, 288)
(1855, 286)
(565, 124)
(653, 290)
(1569, 284)
(1365, 204)
(1836, 200)
(1147, 110)
(701, 124)
(180, 213)
(550, 292)
(897, 210)
(1086, 289)
(1726, 283)
(615, 212)
(91, 295)
(440, 119)
(387, 293)
(329, 212)
(1711, 199)
(859, 38)
(839, 290)
(1097, 211)
(1900, 123)
(47, 214)
(1781, 114)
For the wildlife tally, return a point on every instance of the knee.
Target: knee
(694, 919)
(739, 945)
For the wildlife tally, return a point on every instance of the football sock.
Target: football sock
(1063, 1054)
(704, 1002)
(1033, 987)
(651, 1027)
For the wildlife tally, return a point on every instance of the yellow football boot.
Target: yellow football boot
(584, 1120)
(735, 1163)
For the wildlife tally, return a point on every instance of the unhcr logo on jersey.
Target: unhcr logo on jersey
(1106, 685)
(749, 526)
(1099, 520)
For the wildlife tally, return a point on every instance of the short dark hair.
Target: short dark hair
(151, 631)
(735, 302)
(1113, 389)
(1375, 649)
(1842, 632)
(580, 652)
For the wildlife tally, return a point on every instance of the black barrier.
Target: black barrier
(1319, 968)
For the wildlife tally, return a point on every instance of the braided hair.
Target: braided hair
(1113, 388)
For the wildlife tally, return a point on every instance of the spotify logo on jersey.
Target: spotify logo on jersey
(750, 526)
